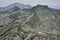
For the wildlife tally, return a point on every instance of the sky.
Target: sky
(51, 3)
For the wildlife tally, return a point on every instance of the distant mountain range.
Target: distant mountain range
(21, 6)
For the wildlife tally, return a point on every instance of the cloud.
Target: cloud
(50, 3)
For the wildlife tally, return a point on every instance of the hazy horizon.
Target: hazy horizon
(51, 3)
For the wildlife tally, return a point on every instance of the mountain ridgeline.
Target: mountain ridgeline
(23, 20)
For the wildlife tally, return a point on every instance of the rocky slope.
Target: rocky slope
(30, 24)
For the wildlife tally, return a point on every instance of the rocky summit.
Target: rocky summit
(33, 23)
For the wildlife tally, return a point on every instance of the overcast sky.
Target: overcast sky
(50, 3)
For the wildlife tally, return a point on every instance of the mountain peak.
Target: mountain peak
(21, 6)
(41, 7)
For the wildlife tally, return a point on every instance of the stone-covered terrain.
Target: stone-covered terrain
(35, 23)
